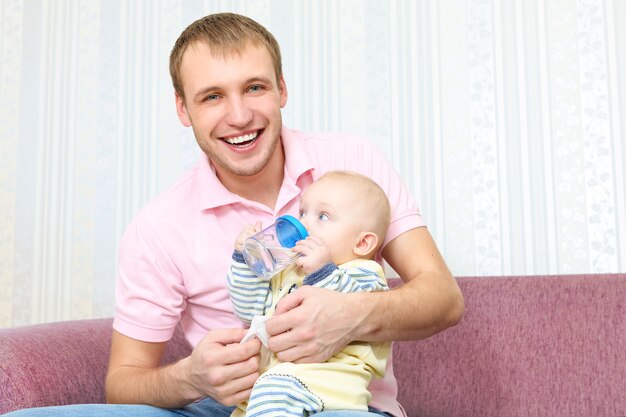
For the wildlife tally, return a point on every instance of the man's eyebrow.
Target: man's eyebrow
(263, 80)
(200, 94)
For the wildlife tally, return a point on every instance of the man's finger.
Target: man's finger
(287, 303)
(225, 336)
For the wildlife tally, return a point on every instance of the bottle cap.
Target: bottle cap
(289, 230)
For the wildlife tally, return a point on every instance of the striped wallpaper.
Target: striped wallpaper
(506, 118)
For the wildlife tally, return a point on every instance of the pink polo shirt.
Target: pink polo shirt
(175, 253)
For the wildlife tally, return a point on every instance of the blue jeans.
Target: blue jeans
(205, 408)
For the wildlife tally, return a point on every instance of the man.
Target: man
(226, 71)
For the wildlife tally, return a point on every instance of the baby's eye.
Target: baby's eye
(323, 217)
(302, 213)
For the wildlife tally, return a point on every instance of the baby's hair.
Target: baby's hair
(372, 200)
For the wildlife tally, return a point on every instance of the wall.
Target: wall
(506, 119)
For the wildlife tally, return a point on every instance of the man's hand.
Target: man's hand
(315, 254)
(222, 368)
(311, 325)
(219, 367)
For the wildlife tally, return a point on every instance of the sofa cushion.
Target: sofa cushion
(527, 346)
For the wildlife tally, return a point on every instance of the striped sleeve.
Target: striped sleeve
(248, 293)
(355, 276)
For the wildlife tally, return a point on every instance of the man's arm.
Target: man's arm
(430, 299)
(312, 324)
(218, 367)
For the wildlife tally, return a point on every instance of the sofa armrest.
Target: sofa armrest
(61, 363)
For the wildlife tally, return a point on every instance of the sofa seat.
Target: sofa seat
(528, 346)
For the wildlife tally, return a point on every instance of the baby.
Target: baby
(347, 216)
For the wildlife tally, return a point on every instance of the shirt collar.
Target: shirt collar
(213, 194)
(297, 160)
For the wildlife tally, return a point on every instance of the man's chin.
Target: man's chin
(237, 170)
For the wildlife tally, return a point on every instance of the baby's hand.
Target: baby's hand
(315, 254)
(247, 231)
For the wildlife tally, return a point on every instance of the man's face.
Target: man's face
(233, 103)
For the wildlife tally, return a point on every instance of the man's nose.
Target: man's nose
(239, 114)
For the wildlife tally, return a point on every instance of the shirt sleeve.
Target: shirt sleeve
(150, 293)
(405, 214)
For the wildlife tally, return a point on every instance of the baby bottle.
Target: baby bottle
(269, 251)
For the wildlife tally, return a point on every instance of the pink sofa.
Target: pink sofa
(527, 346)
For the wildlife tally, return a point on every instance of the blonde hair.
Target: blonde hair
(372, 200)
(224, 33)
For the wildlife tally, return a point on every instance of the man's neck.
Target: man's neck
(264, 186)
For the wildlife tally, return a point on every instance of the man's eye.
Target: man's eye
(255, 88)
(211, 97)
(323, 217)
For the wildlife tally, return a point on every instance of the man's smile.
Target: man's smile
(242, 140)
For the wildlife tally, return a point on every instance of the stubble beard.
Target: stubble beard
(227, 165)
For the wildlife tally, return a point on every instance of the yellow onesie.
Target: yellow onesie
(286, 388)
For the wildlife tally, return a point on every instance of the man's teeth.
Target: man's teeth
(242, 139)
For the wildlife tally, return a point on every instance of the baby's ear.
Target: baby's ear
(366, 244)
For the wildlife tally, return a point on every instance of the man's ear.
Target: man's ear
(366, 244)
(181, 111)
(282, 87)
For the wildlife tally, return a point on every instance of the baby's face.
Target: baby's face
(329, 211)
